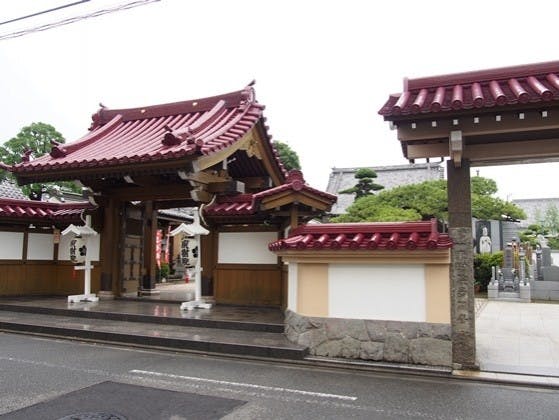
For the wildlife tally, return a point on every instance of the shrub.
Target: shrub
(163, 272)
(482, 267)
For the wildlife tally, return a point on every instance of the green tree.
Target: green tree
(287, 155)
(36, 137)
(365, 183)
(551, 219)
(538, 216)
(530, 235)
(427, 200)
(369, 209)
(36, 140)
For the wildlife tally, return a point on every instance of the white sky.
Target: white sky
(322, 68)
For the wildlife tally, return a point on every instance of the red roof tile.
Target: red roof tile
(29, 210)
(527, 84)
(155, 133)
(243, 204)
(294, 182)
(365, 236)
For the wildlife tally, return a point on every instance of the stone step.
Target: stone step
(98, 312)
(509, 295)
(207, 340)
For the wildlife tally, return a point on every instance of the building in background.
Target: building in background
(387, 176)
(535, 209)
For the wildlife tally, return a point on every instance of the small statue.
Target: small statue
(484, 242)
(541, 240)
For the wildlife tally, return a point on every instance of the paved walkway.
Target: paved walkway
(520, 338)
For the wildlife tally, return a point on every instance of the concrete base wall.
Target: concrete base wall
(419, 343)
(545, 290)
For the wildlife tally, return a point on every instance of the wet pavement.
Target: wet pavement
(211, 340)
(224, 329)
(516, 342)
(163, 307)
(165, 312)
(520, 338)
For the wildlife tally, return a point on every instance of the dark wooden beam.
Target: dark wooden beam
(159, 192)
(534, 150)
(231, 186)
(256, 182)
(477, 124)
(173, 204)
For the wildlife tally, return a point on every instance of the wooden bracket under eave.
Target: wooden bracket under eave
(456, 147)
(205, 177)
(201, 195)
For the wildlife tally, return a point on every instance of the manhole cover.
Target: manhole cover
(93, 416)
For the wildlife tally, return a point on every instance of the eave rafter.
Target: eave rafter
(484, 138)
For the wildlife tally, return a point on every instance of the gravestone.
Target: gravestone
(547, 261)
(507, 271)
(539, 264)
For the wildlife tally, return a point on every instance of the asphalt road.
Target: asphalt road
(47, 378)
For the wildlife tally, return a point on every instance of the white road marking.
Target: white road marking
(245, 385)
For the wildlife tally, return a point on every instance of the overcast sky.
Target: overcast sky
(322, 68)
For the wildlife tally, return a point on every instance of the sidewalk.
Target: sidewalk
(518, 338)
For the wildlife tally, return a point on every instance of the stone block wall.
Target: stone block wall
(419, 343)
(544, 289)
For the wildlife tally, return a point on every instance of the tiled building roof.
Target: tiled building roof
(503, 87)
(32, 211)
(365, 236)
(10, 190)
(240, 204)
(243, 204)
(294, 182)
(155, 134)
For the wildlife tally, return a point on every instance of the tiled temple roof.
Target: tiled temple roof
(9, 189)
(30, 210)
(294, 182)
(240, 204)
(243, 204)
(502, 87)
(365, 236)
(159, 133)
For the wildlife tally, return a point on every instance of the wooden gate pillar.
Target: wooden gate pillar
(149, 238)
(110, 249)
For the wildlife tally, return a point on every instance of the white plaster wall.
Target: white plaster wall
(11, 245)
(386, 292)
(64, 247)
(246, 248)
(40, 246)
(292, 286)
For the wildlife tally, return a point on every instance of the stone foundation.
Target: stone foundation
(420, 343)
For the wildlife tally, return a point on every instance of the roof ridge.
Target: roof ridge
(480, 76)
(231, 99)
(365, 236)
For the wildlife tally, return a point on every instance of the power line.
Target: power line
(75, 19)
(45, 11)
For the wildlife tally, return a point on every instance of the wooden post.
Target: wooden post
(462, 266)
(294, 214)
(149, 235)
(110, 250)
